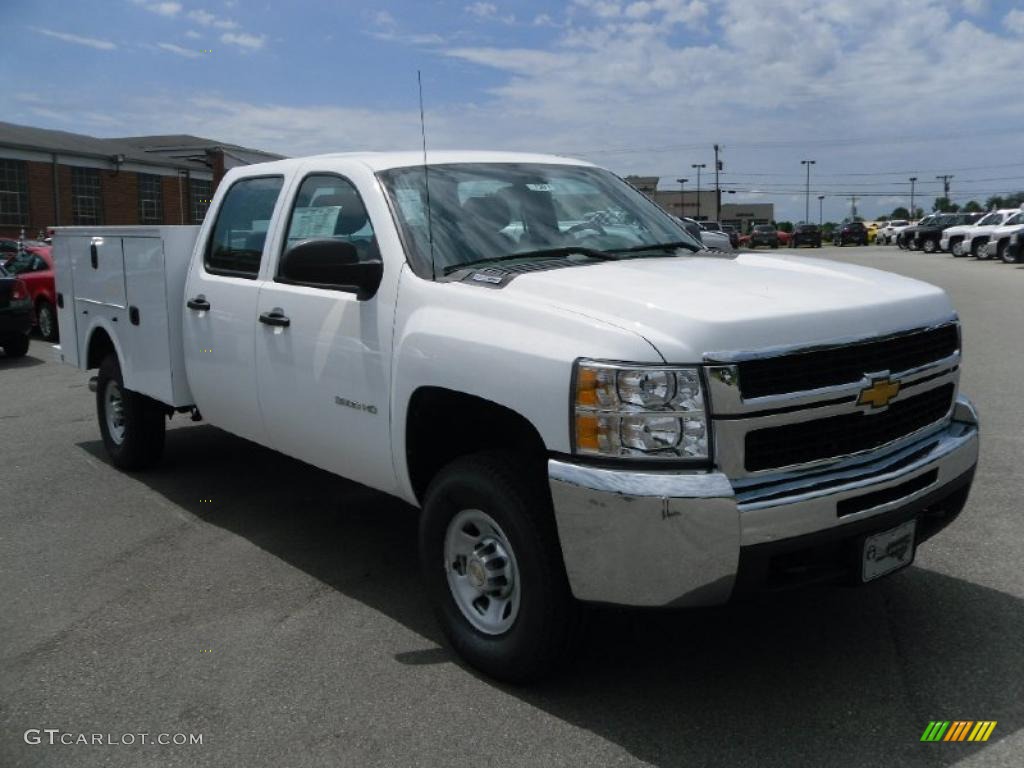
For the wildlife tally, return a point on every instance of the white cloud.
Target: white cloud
(192, 35)
(975, 7)
(188, 53)
(544, 20)
(1014, 21)
(208, 19)
(483, 10)
(91, 42)
(165, 9)
(243, 40)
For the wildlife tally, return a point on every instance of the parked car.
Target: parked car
(1003, 237)
(852, 232)
(976, 236)
(35, 266)
(764, 234)
(506, 375)
(711, 238)
(872, 228)
(806, 234)
(927, 235)
(887, 234)
(15, 314)
(733, 233)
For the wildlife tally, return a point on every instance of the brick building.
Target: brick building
(54, 178)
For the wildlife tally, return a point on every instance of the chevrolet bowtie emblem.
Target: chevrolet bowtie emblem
(880, 393)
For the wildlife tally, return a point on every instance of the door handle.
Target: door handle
(199, 303)
(275, 317)
(94, 257)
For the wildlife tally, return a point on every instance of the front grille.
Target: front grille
(849, 433)
(845, 365)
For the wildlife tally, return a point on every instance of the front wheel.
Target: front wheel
(1007, 254)
(978, 250)
(928, 246)
(493, 567)
(132, 425)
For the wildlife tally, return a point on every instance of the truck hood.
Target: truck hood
(988, 229)
(687, 306)
(1006, 229)
(959, 229)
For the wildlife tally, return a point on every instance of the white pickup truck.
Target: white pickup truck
(1004, 241)
(585, 409)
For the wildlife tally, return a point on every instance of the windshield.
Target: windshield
(20, 263)
(1017, 218)
(489, 211)
(992, 218)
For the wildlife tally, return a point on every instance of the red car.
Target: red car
(35, 267)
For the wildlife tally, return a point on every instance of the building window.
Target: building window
(13, 193)
(151, 199)
(202, 191)
(86, 201)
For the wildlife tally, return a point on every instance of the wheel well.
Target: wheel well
(442, 425)
(100, 346)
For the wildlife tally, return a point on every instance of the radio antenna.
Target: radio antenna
(426, 180)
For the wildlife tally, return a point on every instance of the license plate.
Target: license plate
(888, 551)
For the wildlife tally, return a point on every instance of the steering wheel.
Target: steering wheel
(584, 226)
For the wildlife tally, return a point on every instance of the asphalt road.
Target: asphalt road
(276, 610)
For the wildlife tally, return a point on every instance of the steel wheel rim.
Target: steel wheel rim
(481, 570)
(113, 409)
(45, 322)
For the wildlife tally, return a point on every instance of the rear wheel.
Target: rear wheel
(132, 425)
(493, 566)
(46, 317)
(15, 346)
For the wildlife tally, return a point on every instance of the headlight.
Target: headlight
(654, 412)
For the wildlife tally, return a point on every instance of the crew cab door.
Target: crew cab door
(220, 318)
(324, 375)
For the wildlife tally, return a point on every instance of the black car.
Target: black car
(852, 232)
(928, 232)
(764, 234)
(733, 233)
(806, 234)
(15, 314)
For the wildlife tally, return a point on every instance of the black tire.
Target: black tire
(978, 249)
(15, 346)
(46, 319)
(145, 422)
(929, 245)
(1007, 254)
(517, 499)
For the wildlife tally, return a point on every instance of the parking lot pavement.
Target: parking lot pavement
(276, 611)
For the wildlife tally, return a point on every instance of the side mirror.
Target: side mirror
(331, 264)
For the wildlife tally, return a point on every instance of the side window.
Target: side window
(329, 206)
(236, 245)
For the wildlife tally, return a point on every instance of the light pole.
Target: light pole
(698, 166)
(682, 197)
(913, 181)
(820, 198)
(807, 193)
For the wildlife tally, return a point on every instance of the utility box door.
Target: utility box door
(145, 338)
(98, 271)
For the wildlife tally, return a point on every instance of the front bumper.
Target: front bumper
(651, 538)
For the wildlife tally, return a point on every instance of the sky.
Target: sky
(874, 91)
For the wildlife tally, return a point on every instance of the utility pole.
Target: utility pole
(913, 181)
(820, 198)
(807, 192)
(718, 190)
(945, 184)
(853, 207)
(682, 197)
(698, 166)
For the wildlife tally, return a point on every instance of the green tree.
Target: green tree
(972, 207)
(784, 226)
(900, 213)
(944, 205)
(918, 213)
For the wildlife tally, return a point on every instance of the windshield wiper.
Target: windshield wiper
(565, 250)
(690, 246)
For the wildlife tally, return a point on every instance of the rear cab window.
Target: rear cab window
(235, 247)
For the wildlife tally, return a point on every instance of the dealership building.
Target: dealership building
(702, 205)
(54, 178)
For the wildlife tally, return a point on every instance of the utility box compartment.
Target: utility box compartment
(127, 283)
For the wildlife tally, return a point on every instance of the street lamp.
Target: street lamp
(698, 166)
(913, 180)
(682, 197)
(820, 198)
(807, 193)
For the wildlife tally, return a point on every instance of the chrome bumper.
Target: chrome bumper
(652, 538)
